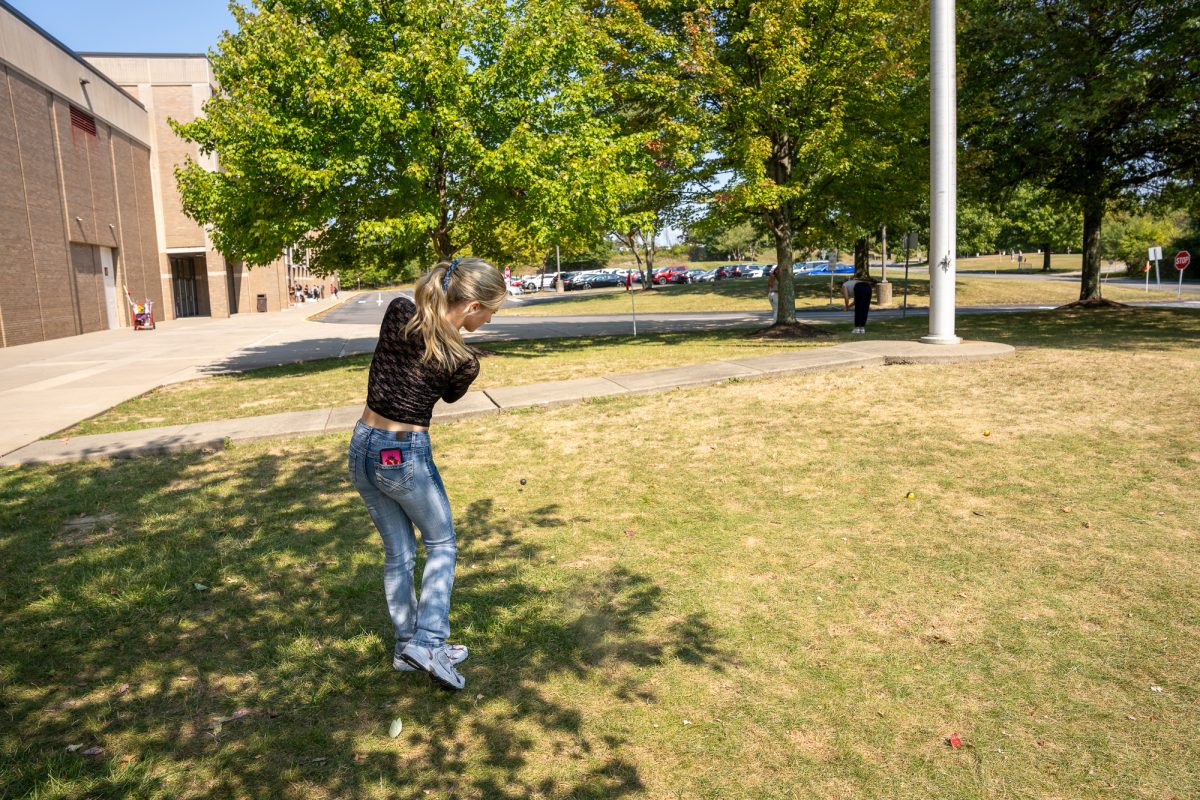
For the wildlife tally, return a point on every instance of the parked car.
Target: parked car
(595, 280)
(670, 275)
(546, 279)
(694, 274)
(754, 270)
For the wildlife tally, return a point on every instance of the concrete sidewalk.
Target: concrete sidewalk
(213, 435)
(48, 386)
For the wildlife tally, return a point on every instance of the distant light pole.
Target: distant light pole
(943, 189)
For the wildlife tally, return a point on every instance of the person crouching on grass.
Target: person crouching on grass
(420, 358)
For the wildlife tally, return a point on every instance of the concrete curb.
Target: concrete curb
(213, 435)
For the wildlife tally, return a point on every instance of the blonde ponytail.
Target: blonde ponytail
(443, 287)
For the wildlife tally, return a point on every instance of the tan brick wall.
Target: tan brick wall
(174, 102)
(50, 303)
(138, 267)
(50, 277)
(20, 321)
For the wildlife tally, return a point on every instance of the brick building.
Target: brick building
(88, 199)
(202, 281)
(76, 214)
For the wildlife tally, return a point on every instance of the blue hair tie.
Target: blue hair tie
(449, 272)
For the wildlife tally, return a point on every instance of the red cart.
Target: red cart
(142, 314)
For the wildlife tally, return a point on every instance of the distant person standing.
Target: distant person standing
(773, 293)
(857, 292)
(629, 280)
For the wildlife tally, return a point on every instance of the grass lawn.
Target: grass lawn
(750, 294)
(720, 592)
(1059, 262)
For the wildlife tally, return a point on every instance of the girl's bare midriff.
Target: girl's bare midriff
(385, 424)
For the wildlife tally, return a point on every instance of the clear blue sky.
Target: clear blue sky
(131, 26)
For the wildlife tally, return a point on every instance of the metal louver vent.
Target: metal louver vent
(83, 121)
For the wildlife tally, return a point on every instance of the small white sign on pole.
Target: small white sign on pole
(1155, 256)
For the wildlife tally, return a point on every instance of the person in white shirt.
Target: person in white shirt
(857, 292)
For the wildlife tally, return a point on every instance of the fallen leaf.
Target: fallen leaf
(629, 532)
(396, 727)
(1066, 509)
(360, 758)
(954, 740)
(199, 587)
(122, 689)
(1157, 689)
(128, 758)
(74, 748)
(979, 513)
(94, 751)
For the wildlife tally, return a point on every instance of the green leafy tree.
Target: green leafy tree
(1128, 237)
(817, 111)
(655, 100)
(1035, 218)
(395, 131)
(979, 226)
(1097, 101)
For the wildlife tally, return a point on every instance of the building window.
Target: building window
(83, 121)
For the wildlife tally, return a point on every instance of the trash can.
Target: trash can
(883, 294)
(262, 303)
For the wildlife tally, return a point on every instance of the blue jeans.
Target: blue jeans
(398, 496)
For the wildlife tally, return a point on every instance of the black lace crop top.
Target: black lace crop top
(400, 387)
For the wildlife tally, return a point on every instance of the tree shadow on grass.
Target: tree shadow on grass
(213, 585)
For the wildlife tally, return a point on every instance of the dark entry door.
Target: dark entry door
(184, 282)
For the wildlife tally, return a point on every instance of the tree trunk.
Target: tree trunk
(779, 222)
(1046, 257)
(1089, 284)
(862, 262)
(781, 227)
(443, 248)
(649, 251)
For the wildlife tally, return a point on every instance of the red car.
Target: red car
(671, 275)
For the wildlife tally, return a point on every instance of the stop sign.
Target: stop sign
(1182, 259)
